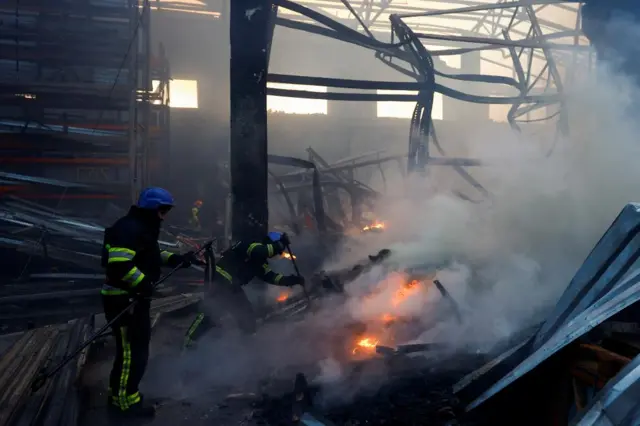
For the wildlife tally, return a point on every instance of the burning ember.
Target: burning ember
(283, 297)
(365, 344)
(407, 290)
(286, 255)
(375, 226)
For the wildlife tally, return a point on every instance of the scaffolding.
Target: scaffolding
(78, 99)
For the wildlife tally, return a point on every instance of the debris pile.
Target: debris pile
(410, 393)
(568, 368)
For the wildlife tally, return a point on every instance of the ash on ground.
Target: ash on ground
(409, 398)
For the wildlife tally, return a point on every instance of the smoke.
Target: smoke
(505, 259)
(509, 257)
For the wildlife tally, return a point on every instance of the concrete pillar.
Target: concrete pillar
(249, 24)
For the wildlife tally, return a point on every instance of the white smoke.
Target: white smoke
(511, 255)
(505, 260)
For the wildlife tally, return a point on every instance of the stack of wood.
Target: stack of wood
(57, 402)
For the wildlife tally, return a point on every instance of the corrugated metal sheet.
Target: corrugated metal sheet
(475, 375)
(609, 261)
(611, 304)
(607, 283)
(618, 403)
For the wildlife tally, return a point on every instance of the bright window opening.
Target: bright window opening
(184, 93)
(405, 109)
(296, 105)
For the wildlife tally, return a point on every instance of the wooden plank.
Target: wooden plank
(57, 402)
(18, 371)
(34, 403)
(65, 390)
(173, 303)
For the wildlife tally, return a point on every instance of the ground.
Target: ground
(210, 407)
(405, 395)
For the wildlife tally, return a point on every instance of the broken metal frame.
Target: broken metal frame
(603, 292)
(411, 51)
(471, 11)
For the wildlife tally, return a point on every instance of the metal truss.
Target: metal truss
(539, 45)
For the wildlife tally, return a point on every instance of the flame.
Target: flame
(376, 225)
(286, 255)
(366, 343)
(387, 318)
(407, 290)
(283, 297)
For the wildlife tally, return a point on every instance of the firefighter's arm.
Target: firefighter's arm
(120, 266)
(274, 278)
(269, 276)
(171, 260)
(261, 252)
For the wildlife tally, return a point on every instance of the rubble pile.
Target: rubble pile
(404, 396)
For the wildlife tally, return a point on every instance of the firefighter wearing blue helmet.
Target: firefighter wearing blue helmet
(238, 265)
(132, 260)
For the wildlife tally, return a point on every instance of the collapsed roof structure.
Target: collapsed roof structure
(596, 314)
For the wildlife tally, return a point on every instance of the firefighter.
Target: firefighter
(236, 267)
(132, 259)
(195, 215)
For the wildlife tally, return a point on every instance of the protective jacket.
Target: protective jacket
(131, 254)
(237, 266)
(247, 260)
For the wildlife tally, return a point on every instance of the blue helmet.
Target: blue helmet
(154, 198)
(275, 236)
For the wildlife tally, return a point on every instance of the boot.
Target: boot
(139, 410)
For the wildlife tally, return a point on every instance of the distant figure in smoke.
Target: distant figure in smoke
(132, 260)
(237, 266)
(194, 220)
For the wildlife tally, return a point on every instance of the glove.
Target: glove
(145, 289)
(189, 259)
(284, 239)
(291, 280)
(278, 248)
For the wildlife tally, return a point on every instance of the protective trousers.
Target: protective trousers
(132, 332)
(224, 297)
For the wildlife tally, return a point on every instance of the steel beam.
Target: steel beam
(249, 35)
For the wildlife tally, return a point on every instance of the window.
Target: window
(183, 94)
(394, 109)
(296, 105)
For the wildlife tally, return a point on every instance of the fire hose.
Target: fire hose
(295, 266)
(44, 375)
